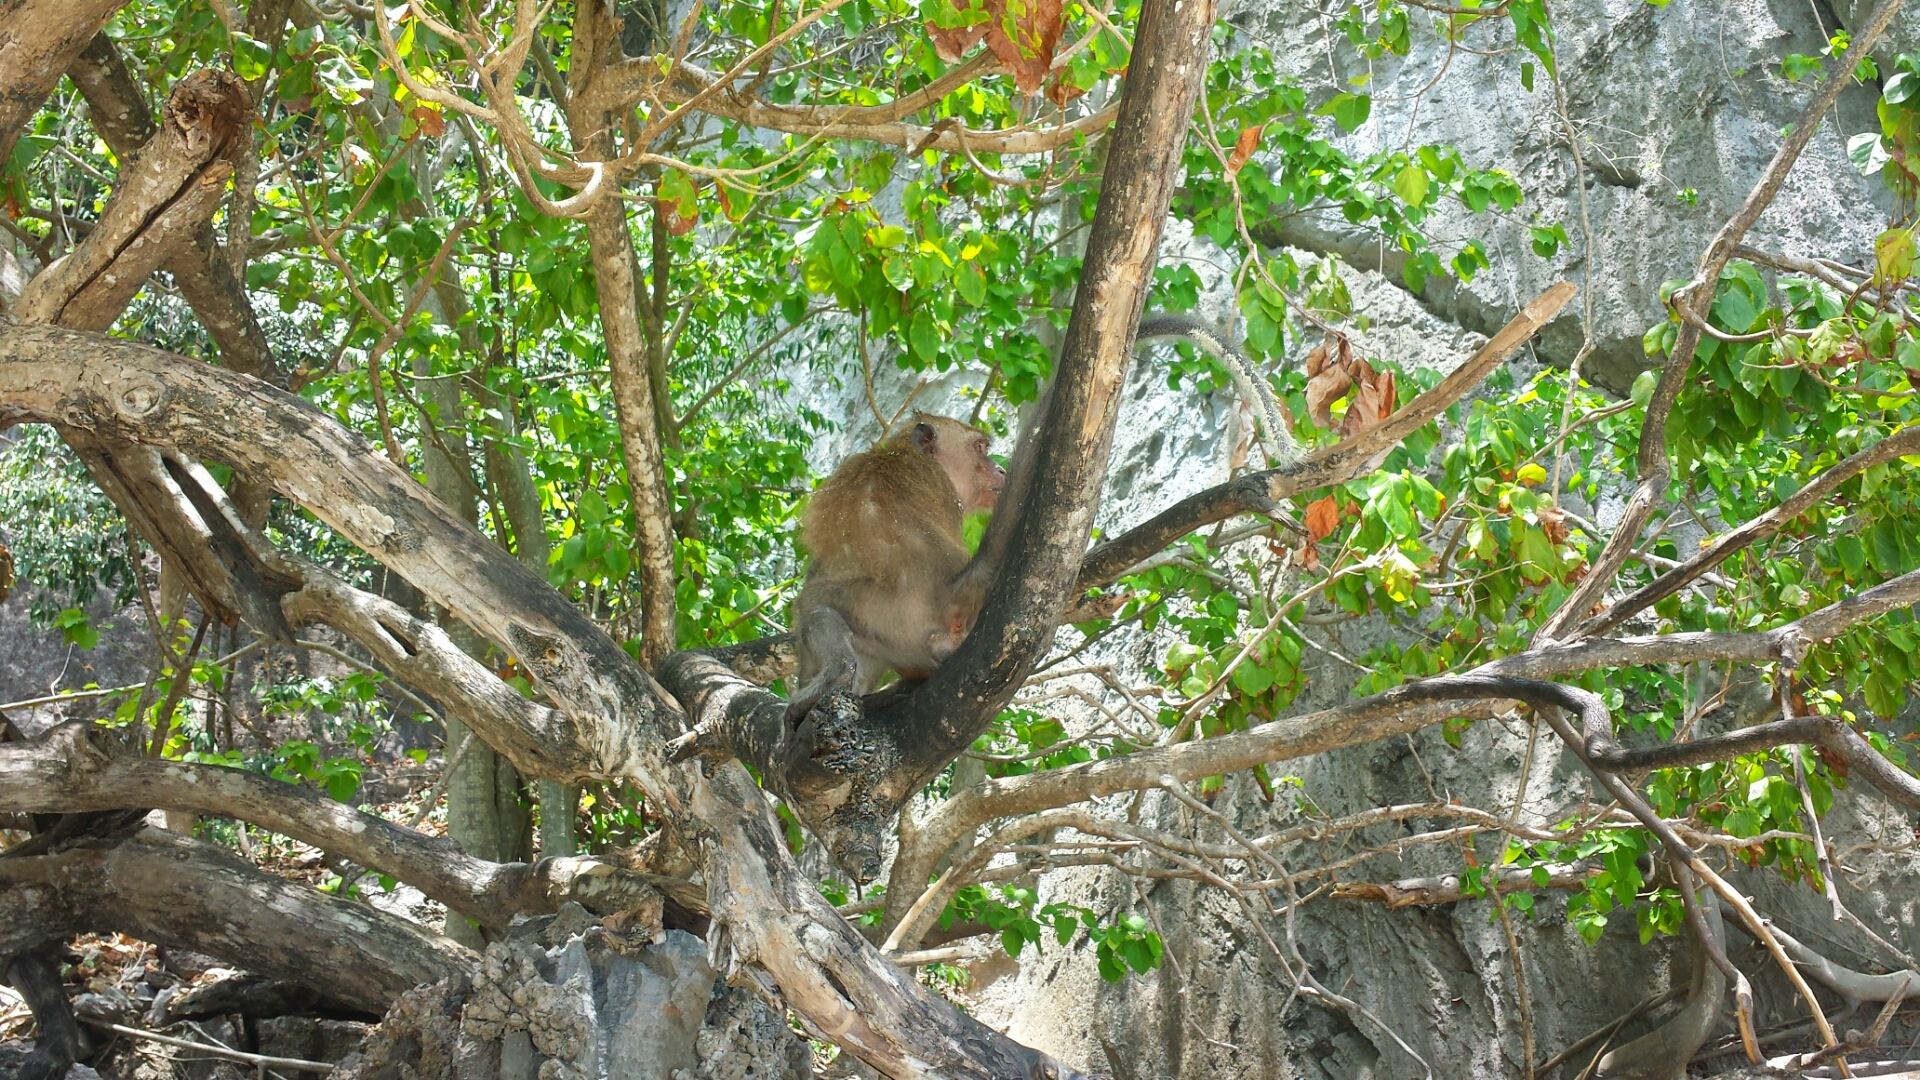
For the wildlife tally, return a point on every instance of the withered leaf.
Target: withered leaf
(1323, 516)
(1374, 400)
(1024, 34)
(1243, 148)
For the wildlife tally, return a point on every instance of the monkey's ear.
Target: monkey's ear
(923, 437)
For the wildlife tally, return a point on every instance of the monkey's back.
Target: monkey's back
(885, 511)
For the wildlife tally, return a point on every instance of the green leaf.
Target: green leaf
(898, 271)
(1348, 110)
(1251, 678)
(1526, 72)
(924, 336)
(972, 283)
(1412, 185)
(252, 58)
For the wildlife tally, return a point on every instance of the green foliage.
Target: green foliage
(1014, 912)
(68, 540)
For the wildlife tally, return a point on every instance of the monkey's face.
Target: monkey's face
(984, 476)
(962, 453)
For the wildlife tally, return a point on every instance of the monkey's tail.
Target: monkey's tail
(1275, 438)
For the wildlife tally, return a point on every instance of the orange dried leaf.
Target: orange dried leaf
(1553, 522)
(432, 124)
(1243, 148)
(1373, 400)
(1323, 516)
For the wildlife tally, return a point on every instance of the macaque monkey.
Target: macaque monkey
(891, 587)
(884, 591)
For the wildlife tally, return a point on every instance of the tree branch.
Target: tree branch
(1696, 297)
(1356, 456)
(175, 891)
(74, 768)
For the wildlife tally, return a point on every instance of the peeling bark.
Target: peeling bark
(201, 270)
(174, 891)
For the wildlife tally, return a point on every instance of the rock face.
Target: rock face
(1678, 109)
(561, 1000)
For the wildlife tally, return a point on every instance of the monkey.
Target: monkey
(885, 533)
(890, 586)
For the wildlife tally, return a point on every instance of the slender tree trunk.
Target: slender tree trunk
(645, 417)
(512, 480)
(484, 812)
(613, 268)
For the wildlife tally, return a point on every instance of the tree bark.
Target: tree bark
(75, 769)
(37, 40)
(36, 974)
(169, 189)
(178, 892)
(205, 279)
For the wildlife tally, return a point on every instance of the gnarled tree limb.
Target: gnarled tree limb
(75, 768)
(174, 891)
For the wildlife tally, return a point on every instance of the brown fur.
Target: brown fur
(885, 535)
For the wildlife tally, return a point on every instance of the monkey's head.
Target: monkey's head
(961, 451)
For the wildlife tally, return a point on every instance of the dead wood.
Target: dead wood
(177, 892)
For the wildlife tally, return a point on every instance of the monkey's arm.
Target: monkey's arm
(1281, 448)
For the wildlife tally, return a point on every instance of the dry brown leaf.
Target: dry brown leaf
(1323, 516)
(1324, 388)
(677, 225)
(1024, 34)
(432, 124)
(1307, 558)
(1553, 522)
(1243, 148)
(951, 45)
(1373, 400)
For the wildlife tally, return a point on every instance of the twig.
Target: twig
(263, 1060)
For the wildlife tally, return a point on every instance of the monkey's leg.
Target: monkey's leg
(826, 640)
